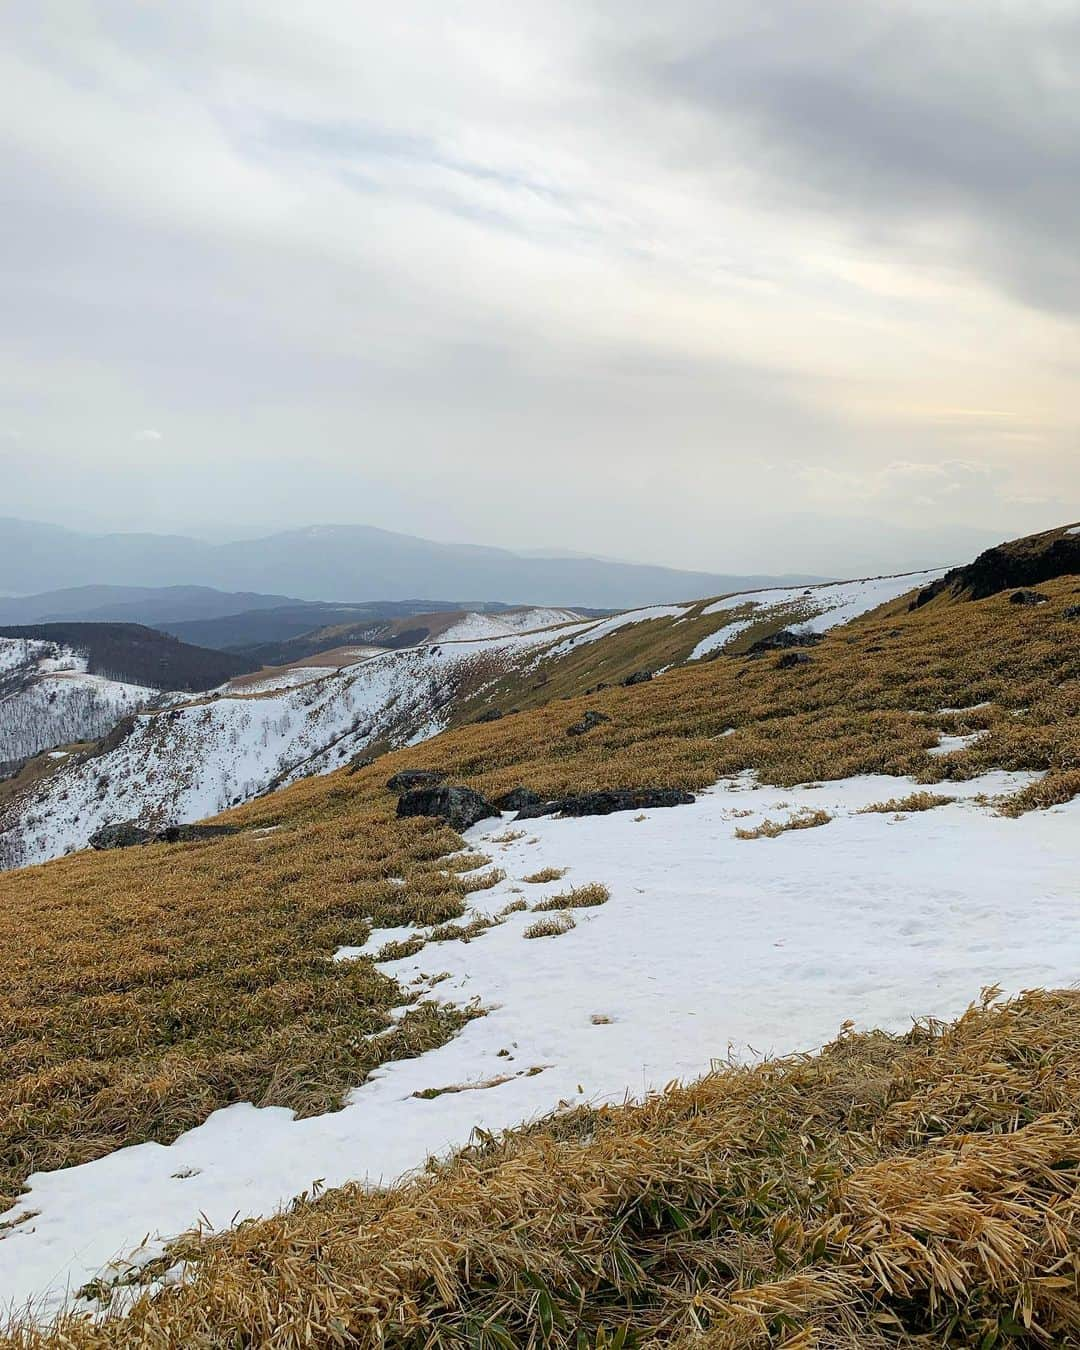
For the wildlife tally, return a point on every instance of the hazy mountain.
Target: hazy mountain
(152, 605)
(342, 562)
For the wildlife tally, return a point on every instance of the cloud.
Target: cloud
(672, 257)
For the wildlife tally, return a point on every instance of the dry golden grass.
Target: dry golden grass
(912, 1191)
(914, 801)
(800, 820)
(579, 897)
(545, 874)
(543, 928)
(141, 990)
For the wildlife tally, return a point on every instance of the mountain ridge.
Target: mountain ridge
(337, 562)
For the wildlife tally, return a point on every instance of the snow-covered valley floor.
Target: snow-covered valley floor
(709, 944)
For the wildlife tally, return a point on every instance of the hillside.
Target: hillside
(129, 651)
(339, 562)
(440, 670)
(291, 632)
(883, 825)
(49, 698)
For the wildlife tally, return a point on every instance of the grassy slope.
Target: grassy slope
(109, 1036)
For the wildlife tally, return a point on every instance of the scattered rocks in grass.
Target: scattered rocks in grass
(784, 640)
(638, 677)
(408, 779)
(591, 719)
(1028, 598)
(462, 807)
(791, 659)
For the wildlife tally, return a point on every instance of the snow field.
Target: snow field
(708, 946)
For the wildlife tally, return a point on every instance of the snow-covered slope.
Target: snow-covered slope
(195, 760)
(47, 698)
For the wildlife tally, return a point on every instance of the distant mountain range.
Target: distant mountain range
(340, 563)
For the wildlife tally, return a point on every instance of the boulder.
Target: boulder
(1028, 598)
(517, 799)
(590, 720)
(534, 810)
(461, 806)
(408, 779)
(490, 715)
(623, 799)
(638, 677)
(1071, 612)
(121, 834)
(790, 659)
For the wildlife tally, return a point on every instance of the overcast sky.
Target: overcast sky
(719, 284)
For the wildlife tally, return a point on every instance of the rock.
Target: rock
(790, 659)
(534, 810)
(461, 806)
(638, 677)
(590, 720)
(1028, 598)
(122, 834)
(784, 640)
(359, 762)
(408, 779)
(517, 799)
(186, 834)
(490, 715)
(623, 799)
(1071, 612)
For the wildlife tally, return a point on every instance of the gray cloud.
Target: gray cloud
(903, 117)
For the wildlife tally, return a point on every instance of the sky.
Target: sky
(735, 286)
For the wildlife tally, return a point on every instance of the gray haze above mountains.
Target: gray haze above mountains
(332, 562)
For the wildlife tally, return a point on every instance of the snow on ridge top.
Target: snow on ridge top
(475, 625)
(833, 602)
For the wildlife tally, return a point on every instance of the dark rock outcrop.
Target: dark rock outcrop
(623, 799)
(122, 834)
(792, 659)
(1071, 612)
(1022, 562)
(461, 806)
(590, 720)
(490, 715)
(1028, 598)
(638, 677)
(408, 779)
(606, 802)
(130, 834)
